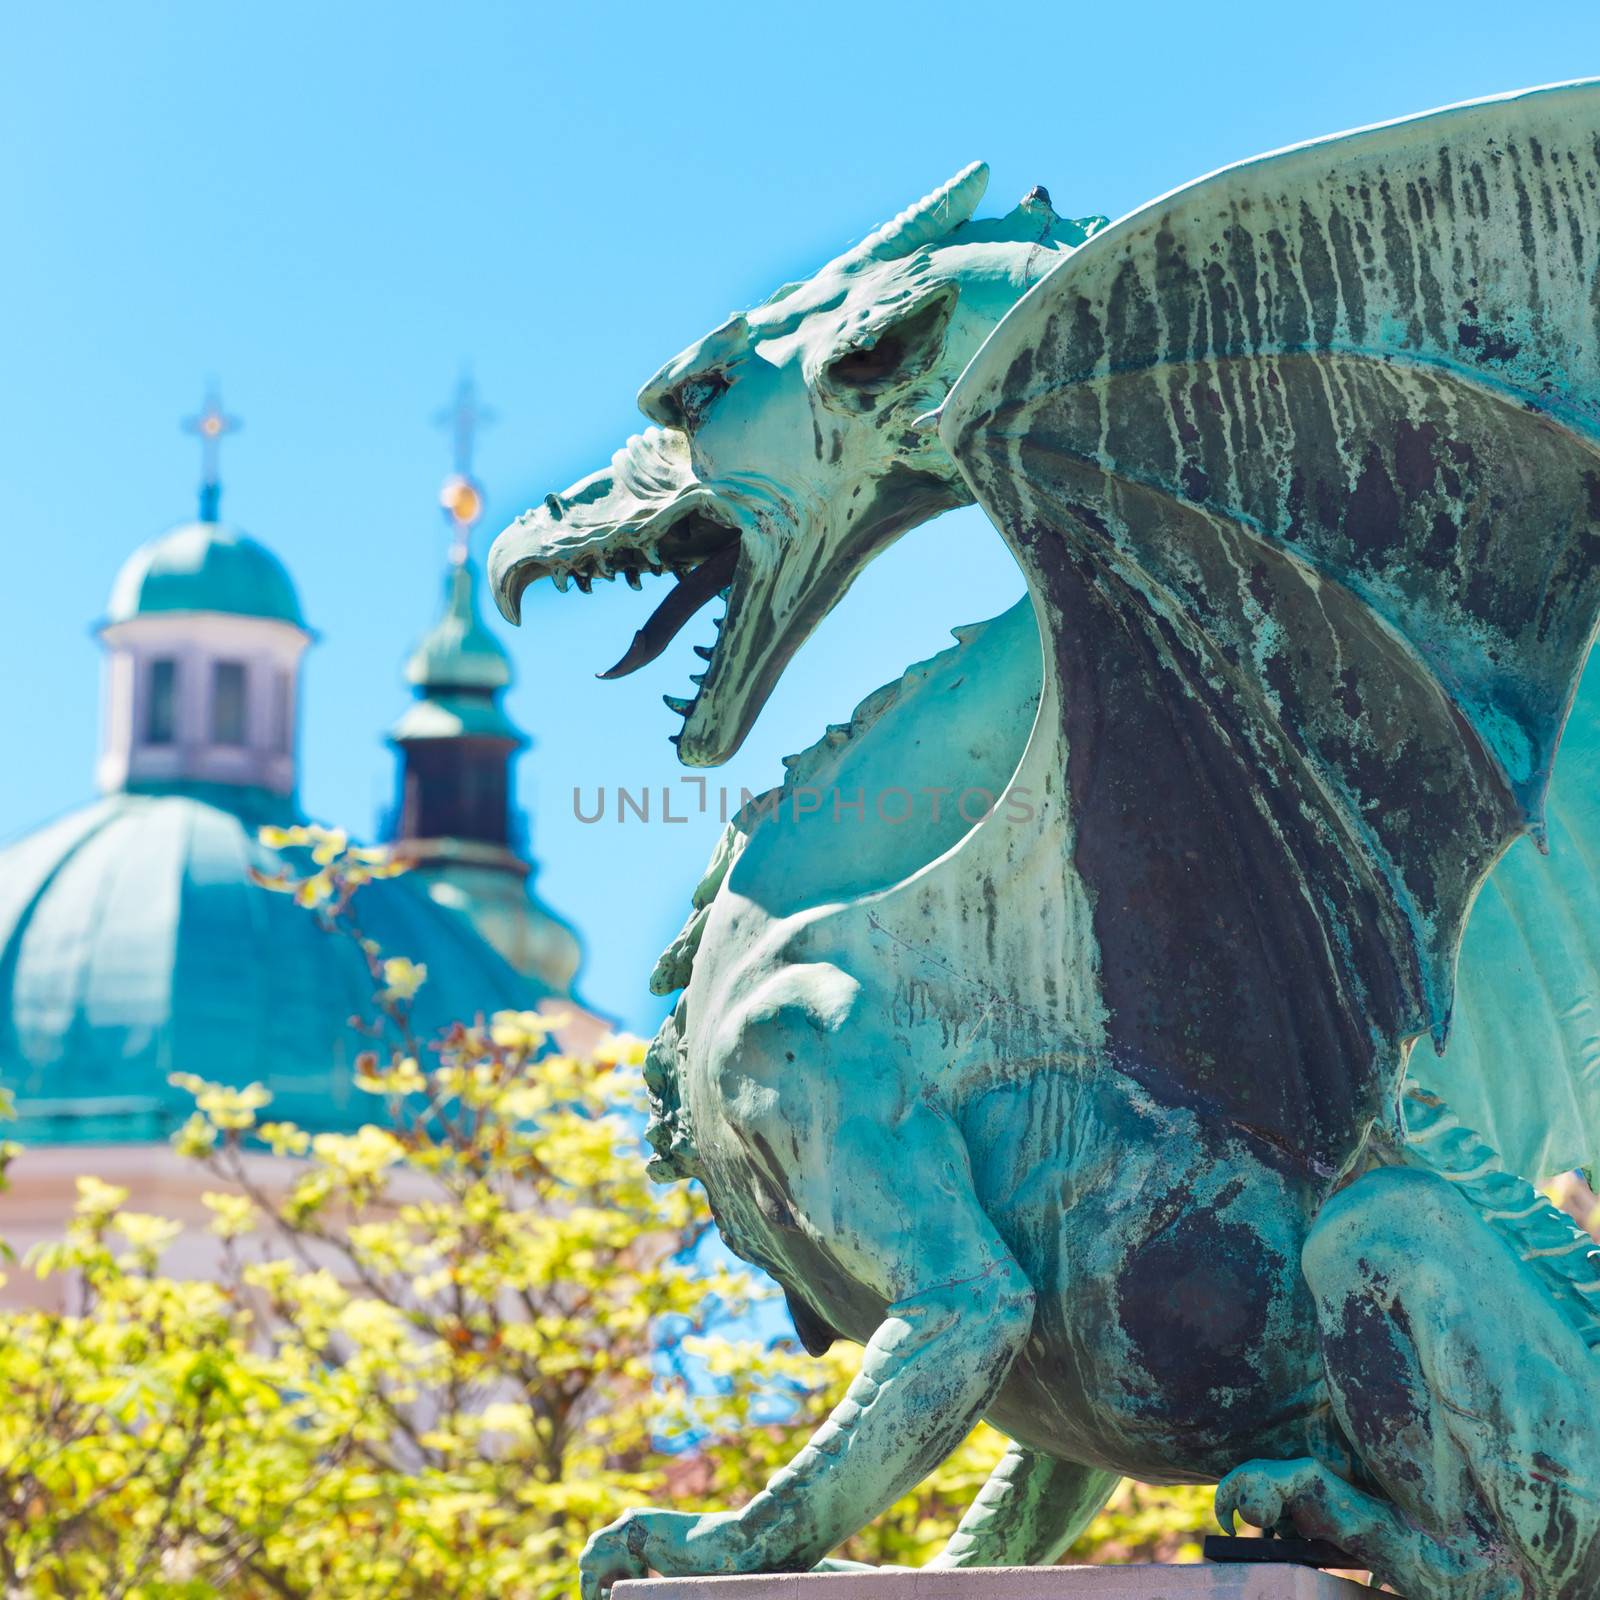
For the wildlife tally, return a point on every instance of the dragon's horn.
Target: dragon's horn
(930, 218)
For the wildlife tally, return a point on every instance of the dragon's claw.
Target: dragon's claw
(1268, 1494)
(677, 1544)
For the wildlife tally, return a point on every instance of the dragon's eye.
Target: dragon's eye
(891, 357)
(869, 368)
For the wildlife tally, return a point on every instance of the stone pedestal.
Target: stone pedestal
(1253, 1581)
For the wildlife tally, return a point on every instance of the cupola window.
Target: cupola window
(282, 712)
(160, 710)
(228, 702)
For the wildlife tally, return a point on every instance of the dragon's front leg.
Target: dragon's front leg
(926, 1376)
(894, 1206)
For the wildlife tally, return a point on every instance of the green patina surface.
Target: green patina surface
(1094, 1118)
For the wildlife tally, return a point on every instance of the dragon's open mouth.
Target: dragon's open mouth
(645, 514)
(701, 578)
(700, 551)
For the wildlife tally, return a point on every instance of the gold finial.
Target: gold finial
(461, 495)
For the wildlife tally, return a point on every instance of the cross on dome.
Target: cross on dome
(211, 425)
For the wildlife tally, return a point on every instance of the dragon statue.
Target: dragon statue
(1126, 1113)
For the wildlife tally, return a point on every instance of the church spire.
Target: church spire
(455, 820)
(459, 653)
(456, 742)
(211, 424)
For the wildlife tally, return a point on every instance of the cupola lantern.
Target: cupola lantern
(204, 637)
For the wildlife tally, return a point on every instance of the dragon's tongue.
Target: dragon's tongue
(685, 598)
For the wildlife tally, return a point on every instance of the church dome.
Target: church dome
(134, 944)
(204, 566)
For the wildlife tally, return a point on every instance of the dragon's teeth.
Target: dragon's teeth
(561, 580)
(674, 703)
(584, 582)
(632, 575)
(697, 678)
(724, 593)
(701, 651)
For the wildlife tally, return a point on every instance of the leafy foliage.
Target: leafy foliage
(440, 1352)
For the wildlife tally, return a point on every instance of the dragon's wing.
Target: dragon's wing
(1302, 463)
(1523, 1063)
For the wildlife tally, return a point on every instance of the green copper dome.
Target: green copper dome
(458, 651)
(134, 944)
(204, 566)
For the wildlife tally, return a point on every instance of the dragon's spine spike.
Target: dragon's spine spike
(1544, 1236)
(675, 965)
(816, 763)
(667, 1132)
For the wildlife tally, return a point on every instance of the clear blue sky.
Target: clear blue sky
(332, 206)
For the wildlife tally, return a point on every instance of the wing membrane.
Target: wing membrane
(1302, 463)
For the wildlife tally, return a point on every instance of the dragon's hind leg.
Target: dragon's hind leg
(1472, 1401)
(882, 1204)
(1027, 1513)
(1319, 1504)
(1029, 1510)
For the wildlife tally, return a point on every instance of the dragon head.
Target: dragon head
(791, 446)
